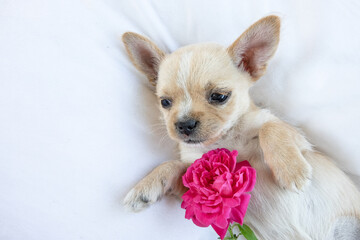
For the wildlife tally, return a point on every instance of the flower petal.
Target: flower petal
(205, 218)
(231, 202)
(245, 180)
(221, 221)
(217, 186)
(220, 231)
(243, 163)
(238, 213)
(251, 179)
(210, 209)
(198, 223)
(189, 213)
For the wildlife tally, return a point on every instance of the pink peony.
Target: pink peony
(217, 190)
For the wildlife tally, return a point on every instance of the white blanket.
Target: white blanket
(79, 125)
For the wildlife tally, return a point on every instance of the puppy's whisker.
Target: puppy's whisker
(157, 130)
(163, 138)
(158, 124)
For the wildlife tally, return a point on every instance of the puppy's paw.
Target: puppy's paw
(165, 179)
(282, 147)
(295, 175)
(143, 195)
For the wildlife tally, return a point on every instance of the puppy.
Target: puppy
(202, 90)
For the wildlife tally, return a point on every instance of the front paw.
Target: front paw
(295, 175)
(143, 195)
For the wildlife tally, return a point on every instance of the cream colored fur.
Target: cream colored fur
(300, 193)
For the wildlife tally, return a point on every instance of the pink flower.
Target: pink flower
(217, 190)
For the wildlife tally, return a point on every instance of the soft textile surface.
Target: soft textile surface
(79, 125)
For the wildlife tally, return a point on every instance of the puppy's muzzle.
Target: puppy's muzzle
(187, 127)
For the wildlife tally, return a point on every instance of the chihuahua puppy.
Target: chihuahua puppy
(203, 95)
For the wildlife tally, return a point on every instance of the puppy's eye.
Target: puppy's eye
(218, 98)
(166, 103)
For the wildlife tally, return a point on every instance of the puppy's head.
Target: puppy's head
(203, 88)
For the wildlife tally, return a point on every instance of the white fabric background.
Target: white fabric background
(78, 124)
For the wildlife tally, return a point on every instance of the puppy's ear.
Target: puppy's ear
(144, 54)
(253, 49)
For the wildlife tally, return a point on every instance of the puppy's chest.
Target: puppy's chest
(247, 147)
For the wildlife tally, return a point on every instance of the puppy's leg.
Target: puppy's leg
(282, 146)
(164, 179)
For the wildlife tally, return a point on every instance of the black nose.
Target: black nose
(187, 127)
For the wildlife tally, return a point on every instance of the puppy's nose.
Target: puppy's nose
(187, 127)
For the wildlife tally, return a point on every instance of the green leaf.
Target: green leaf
(246, 232)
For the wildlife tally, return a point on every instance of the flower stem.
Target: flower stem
(231, 232)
